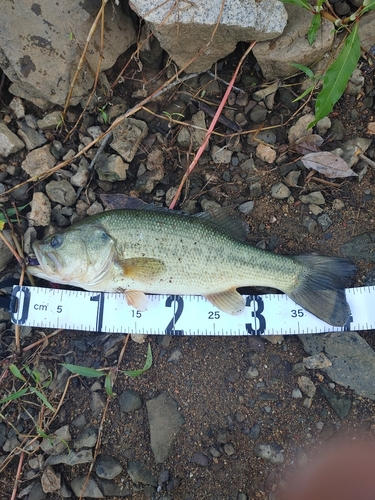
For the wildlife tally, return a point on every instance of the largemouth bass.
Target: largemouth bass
(164, 252)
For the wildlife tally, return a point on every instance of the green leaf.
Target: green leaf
(42, 397)
(147, 365)
(308, 72)
(43, 434)
(300, 3)
(319, 4)
(108, 385)
(304, 94)
(13, 211)
(33, 374)
(10, 212)
(337, 76)
(15, 395)
(47, 383)
(368, 5)
(314, 26)
(13, 368)
(83, 370)
(36, 376)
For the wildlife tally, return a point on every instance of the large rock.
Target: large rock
(41, 44)
(360, 247)
(165, 421)
(184, 28)
(9, 142)
(353, 360)
(39, 161)
(274, 57)
(366, 30)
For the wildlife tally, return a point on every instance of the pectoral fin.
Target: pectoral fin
(142, 269)
(136, 299)
(229, 301)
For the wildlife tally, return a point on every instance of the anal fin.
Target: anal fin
(229, 301)
(136, 299)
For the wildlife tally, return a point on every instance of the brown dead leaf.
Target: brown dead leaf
(328, 164)
(308, 144)
(371, 128)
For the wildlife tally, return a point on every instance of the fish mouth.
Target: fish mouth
(33, 261)
(43, 264)
(56, 265)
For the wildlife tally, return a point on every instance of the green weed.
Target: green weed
(337, 75)
(84, 371)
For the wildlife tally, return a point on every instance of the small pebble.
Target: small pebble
(61, 192)
(107, 467)
(324, 221)
(95, 208)
(51, 120)
(86, 438)
(40, 214)
(226, 176)
(315, 209)
(175, 355)
(307, 386)
(271, 452)
(209, 205)
(258, 114)
(296, 393)
(200, 459)
(255, 190)
(307, 402)
(252, 372)
(317, 361)
(315, 197)
(299, 129)
(338, 204)
(229, 449)
(280, 191)
(221, 155)
(130, 401)
(246, 207)
(242, 496)
(266, 153)
(94, 132)
(16, 105)
(254, 431)
(323, 125)
(215, 452)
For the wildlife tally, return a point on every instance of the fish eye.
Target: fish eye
(56, 241)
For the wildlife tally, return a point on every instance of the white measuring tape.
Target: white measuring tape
(273, 314)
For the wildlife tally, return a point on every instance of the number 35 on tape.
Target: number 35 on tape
(273, 314)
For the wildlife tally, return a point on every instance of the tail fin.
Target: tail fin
(320, 288)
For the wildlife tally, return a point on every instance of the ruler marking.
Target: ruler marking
(190, 315)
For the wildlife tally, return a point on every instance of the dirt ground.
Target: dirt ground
(208, 377)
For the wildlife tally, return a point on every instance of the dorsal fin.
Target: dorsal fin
(220, 218)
